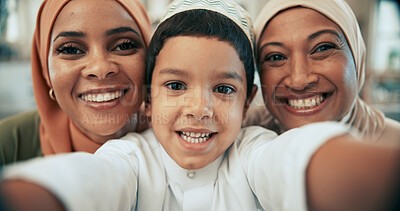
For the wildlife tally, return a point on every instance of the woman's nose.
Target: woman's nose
(198, 105)
(100, 67)
(300, 75)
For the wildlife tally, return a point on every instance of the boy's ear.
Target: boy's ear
(249, 100)
(147, 108)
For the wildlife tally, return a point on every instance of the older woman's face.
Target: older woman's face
(307, 69)
(96, 67)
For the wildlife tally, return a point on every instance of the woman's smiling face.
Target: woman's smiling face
(307, 69)
(198, 95)
(96, 67)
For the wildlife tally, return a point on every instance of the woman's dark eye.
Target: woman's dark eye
(176, 86)
(126, 45)
(224, 89)
(274, 57)
(324, 47)
(69, 49)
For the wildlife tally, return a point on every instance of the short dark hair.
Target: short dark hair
(201, 23)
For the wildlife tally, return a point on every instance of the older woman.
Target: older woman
(88, 65)
(311, 59)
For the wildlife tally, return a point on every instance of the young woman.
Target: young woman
(88, 67)
(311, 60)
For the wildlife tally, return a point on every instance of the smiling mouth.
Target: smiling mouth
(307, 103)
(195, 138)
(102, 97)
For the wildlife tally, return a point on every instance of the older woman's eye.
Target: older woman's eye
(274, 57)
(224, 89)
(324, 47)
(69, 49)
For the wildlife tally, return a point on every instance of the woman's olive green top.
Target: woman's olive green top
(19, 137)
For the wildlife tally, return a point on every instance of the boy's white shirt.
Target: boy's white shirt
(259, 169)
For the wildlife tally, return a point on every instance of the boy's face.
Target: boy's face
(198, 95)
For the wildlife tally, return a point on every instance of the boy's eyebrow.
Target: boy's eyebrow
(121, 30)
(226, 75)
(230, 75)
(70, 34)
(173, 72)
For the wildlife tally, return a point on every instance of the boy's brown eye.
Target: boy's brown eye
(224, 89)
(176, 86)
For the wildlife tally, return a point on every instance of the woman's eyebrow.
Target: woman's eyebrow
(121, 30)
(69, 34)
(325, 31)
(270, 43)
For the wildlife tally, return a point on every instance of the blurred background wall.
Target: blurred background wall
(379, 21)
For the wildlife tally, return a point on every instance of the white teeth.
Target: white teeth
(195, 138)
(102, 97)
(306, 103)
(99, 98)
(107, 97)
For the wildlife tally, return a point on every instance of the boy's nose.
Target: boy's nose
(100, 67)
(300, 75)
(199, 106)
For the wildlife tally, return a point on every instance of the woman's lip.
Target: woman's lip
(104, 90)
(306, 110)
(103, 98)
(303, 96)
(102, 105)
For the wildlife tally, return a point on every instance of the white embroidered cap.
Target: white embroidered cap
(230, 9)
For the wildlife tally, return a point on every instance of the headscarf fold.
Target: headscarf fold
(369, 121)
(57, 131)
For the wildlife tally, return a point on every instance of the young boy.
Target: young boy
(196, 157)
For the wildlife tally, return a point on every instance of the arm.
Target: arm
(19, 195)
(76, 181)
(347, 175)
(319, 167)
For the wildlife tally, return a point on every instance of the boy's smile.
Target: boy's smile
(198, 95)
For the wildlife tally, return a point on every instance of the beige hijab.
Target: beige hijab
(367, 120)
(57, 132)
